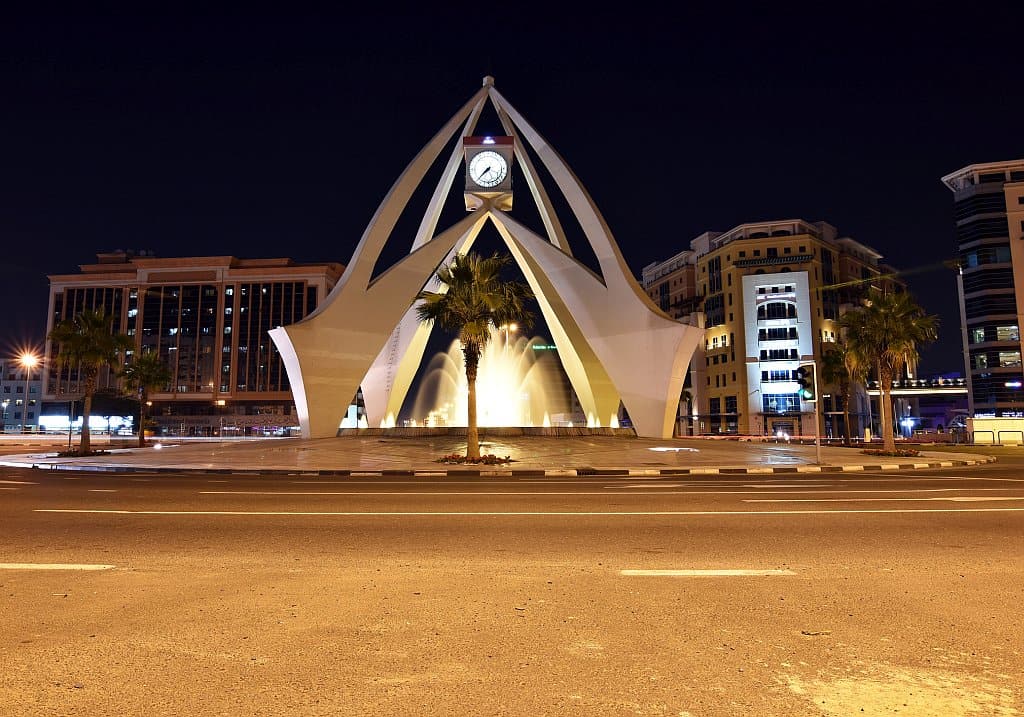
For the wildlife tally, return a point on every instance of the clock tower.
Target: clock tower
(488, 171)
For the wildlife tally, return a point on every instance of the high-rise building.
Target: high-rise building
(207, 319)
(771, 294)
(988, 208)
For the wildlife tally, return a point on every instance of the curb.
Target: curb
(512, 472)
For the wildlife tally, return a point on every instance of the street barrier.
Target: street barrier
(1019, 433)
(974, 436)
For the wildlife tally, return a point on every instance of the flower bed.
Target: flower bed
(898, 453)
(487, 459)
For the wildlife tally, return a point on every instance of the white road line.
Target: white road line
(653, 513)
(102, 490)
(53, 566)
(7, 488)
(619, 491)
(704, 573)
(961, 499)
(785, 485)
(645, 485)
(17, 482)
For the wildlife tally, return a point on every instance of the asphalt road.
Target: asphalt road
(868, 594)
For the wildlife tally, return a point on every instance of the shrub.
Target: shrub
(487, 459)
(899, 452)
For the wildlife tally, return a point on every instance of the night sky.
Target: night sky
(278, 135)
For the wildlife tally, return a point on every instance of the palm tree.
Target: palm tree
(87, 341)
(475, 301)
(147, 372)
(887, 333)
(835, 373)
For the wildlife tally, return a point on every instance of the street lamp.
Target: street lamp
(28, 362)
(5, 403)
(507, 328)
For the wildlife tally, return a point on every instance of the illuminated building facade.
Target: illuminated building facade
(207, 318)
(19, 412)
(988, 208)
(771, 294)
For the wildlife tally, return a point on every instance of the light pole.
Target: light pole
(509, 327)
(28, 362)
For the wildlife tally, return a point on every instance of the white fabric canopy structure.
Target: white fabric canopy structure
(614, 343)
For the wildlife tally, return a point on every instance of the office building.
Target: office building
(20, 409)
(988, 209)
(771, 294)
(207, 318)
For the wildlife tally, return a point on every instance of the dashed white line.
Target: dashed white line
(706, 573)
(102, 490)
(53, 566)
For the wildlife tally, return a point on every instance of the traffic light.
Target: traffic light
(805, 378)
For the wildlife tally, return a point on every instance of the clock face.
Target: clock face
(488, 169)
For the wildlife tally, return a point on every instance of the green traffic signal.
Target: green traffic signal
(805, 379)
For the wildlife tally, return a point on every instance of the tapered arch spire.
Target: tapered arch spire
(614, 343)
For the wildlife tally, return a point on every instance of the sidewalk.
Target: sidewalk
(532, 455)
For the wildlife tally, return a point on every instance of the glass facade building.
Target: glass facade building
(207, 318)
(988, 211)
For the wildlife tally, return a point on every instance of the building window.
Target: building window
(780, 403)
(977, 335)
(1009, 358)
(1007, 333)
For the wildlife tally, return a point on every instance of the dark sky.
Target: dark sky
(278, 134)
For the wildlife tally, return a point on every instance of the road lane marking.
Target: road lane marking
(619, 491)
(53, 566)
(785, 485)
(646, 485)
(705, 573)
(17, 482)
(651, 513)
(963, 499)
(102, 490)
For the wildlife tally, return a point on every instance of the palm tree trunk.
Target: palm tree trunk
(846, 415)
(142, 419)
(472, 358)
(885, 386)
(85, 446)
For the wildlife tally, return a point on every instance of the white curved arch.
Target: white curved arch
(615, 344)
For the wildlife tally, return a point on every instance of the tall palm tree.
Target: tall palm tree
(887, 334)
(87, 341)
(475, 300)
(144, 374)
(834, 373)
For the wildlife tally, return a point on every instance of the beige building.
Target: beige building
(207, 318)
(771, 294)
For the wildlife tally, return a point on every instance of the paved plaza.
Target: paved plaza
(379, 453)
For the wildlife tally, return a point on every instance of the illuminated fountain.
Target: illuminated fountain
(519, 383)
